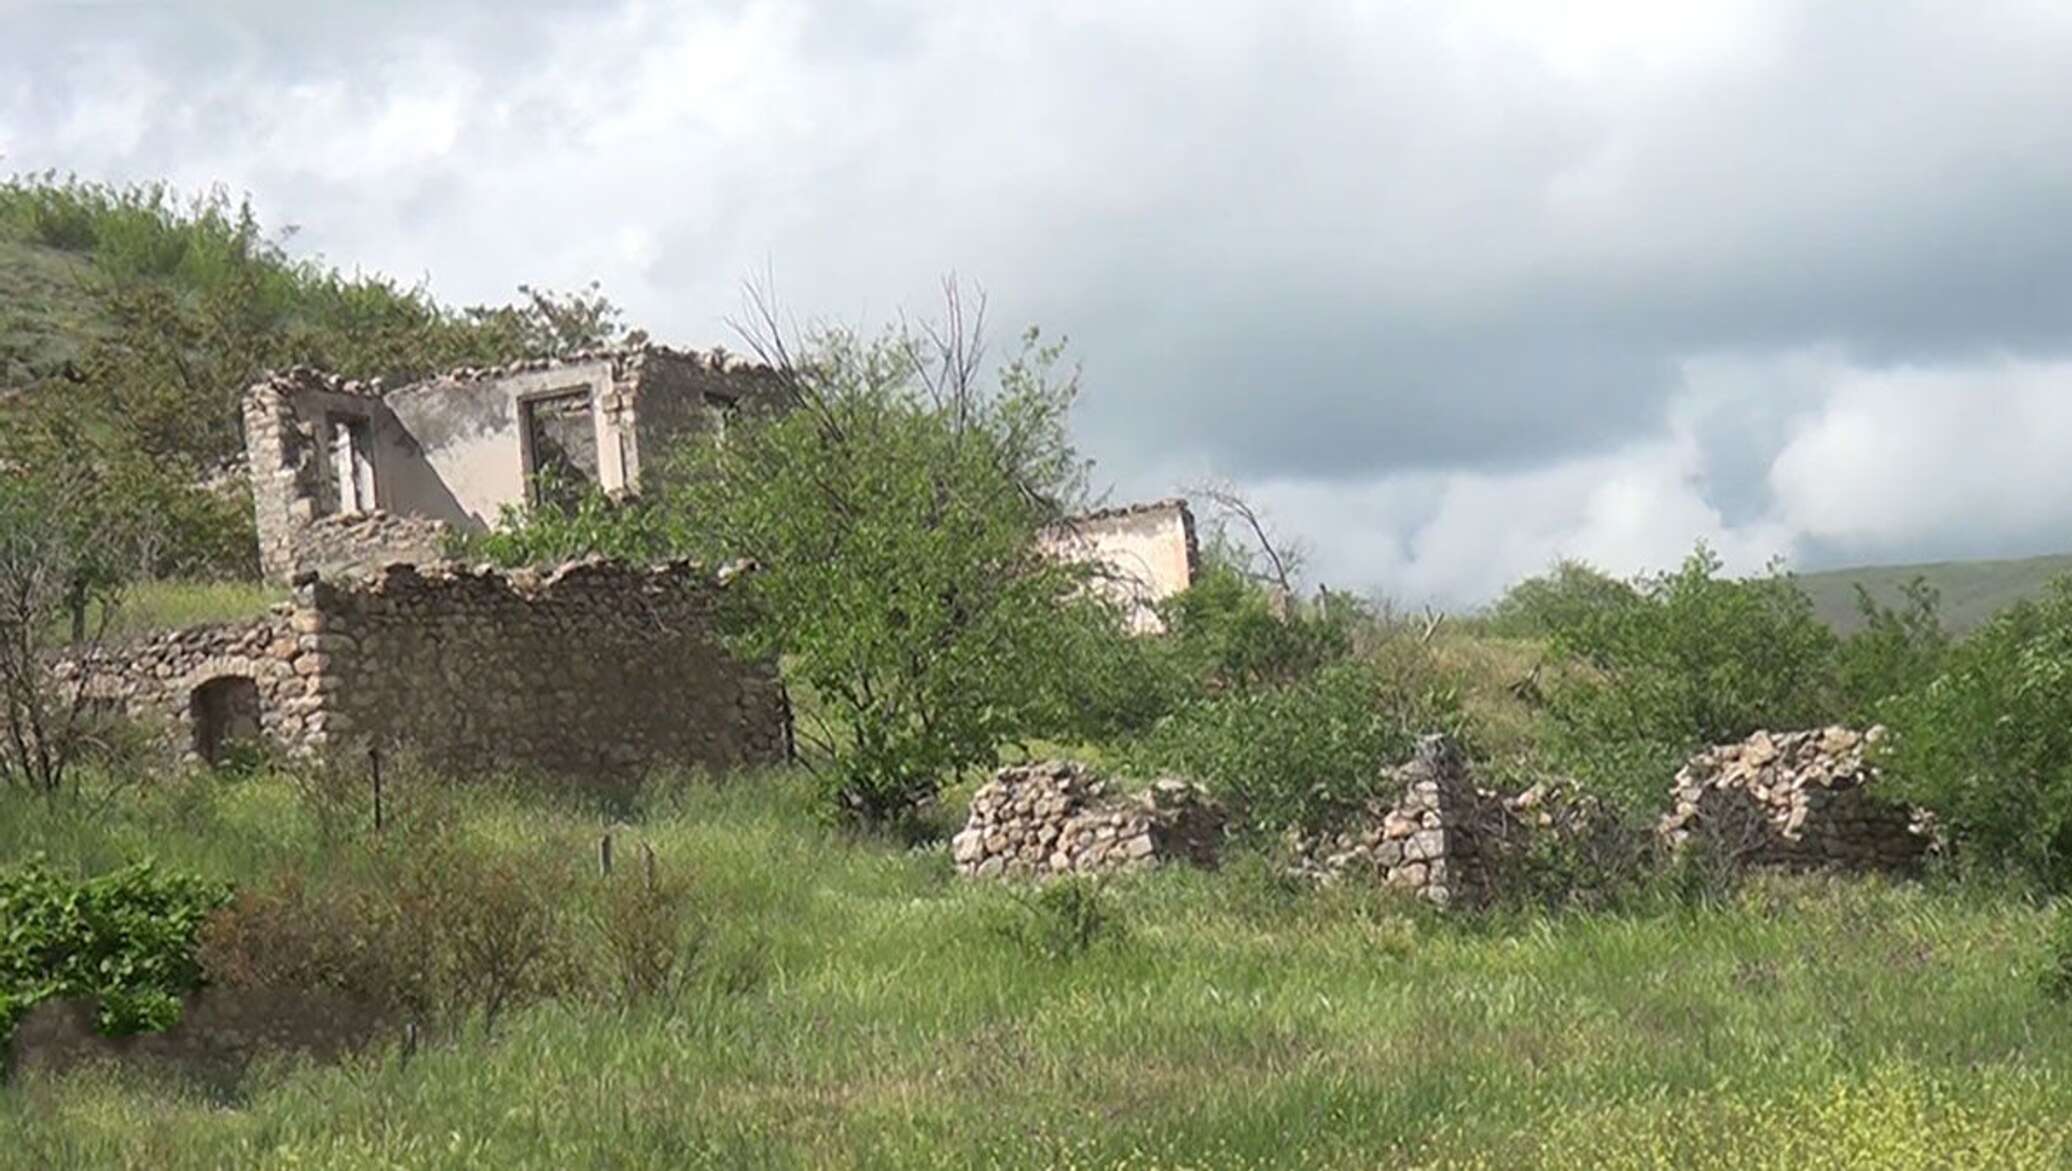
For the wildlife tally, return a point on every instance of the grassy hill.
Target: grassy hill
(1972, 591)
(50, 311)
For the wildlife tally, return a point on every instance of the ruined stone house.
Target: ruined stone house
(591, 670)
(1144, 553)
(355, 475)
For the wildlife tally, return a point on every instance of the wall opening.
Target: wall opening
(351, 477)
(226, 713)
(560, 448)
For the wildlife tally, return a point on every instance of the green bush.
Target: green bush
(1569, 597)
(1988, 744)
(1063, 919)
(1897, 651)
(440, 933)
(1697, 659)
(1225, 631)
(1305, 753)
(127, 938)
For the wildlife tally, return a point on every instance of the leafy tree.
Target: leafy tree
(893, 502)
(1988, 744)
(66, 552)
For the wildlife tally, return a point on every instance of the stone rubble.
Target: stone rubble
(1797, 800)
(1057, 817)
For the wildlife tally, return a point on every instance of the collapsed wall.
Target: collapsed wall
(352, 474)
(593, 669)
(1795, 800)
(1431, 832)
(1057, 817)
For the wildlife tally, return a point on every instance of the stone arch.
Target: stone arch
(224, 710)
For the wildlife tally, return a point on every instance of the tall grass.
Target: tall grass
(864, 1009)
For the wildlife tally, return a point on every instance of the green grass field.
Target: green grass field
(861, 1007)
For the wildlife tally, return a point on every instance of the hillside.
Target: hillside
(1972, 591)
(49, 310)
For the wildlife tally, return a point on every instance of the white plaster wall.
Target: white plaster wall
(1146, 550)
(472, 438)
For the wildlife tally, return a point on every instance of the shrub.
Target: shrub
(649, 934)
(1062, 919)
(440, 934)
(1988, 744)
(1306, 753)
(1898, 650)
(1228, 632)
(1698, 659)
(1569, 597)
(126, 938)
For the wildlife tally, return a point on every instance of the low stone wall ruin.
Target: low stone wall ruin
(1057, 818)
(1795, 800)
(1431, 832)
(593, 669)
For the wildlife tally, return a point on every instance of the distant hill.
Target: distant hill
(1972, 591)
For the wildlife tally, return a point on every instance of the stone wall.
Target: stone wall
(1796, 800)
(1057, 817)
(1432, 833)
(593, 669)
(456, 450)
(164, 681)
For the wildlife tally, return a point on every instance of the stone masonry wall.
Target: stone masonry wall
(450, 453)
(156, 680)
(593, 669)
(1056, 817)
(1437, 836)
(1796, 800)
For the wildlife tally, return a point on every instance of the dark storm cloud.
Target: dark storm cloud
(1383, 252)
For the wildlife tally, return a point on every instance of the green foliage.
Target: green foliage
(1894, 651)
(1226, 631)
(1572, 596)
(626, 529)
(1062, 919)
(2056, 977)
(893, 512)
(1988, 744)
(126, 938)
(1305, 753)
(1698, 659)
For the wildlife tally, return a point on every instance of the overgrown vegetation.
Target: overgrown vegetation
(175, 305)
(126, 939)
(752, 985)
(850, 1004)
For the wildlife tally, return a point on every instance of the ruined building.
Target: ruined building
(353, 475)
(591, 670)
(1144, 554)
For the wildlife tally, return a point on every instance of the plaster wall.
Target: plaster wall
(1148, 552)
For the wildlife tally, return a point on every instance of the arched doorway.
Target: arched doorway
(226, 712)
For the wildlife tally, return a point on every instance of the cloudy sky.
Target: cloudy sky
(1452, 287)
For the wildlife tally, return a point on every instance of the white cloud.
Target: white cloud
(1458, 288)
